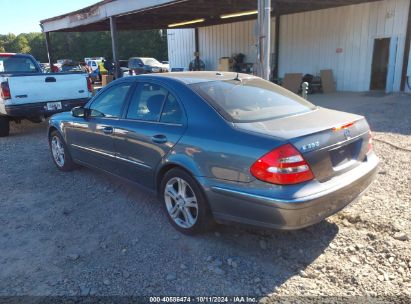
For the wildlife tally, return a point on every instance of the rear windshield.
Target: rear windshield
(251, 100)
(17, 64)
(134, 63)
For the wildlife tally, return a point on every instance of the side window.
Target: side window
(147, 102)
(31, 65)
(110, 102)
(172, 112)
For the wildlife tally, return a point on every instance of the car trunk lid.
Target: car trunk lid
(332, 142)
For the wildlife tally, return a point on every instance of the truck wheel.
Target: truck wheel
(4, 127)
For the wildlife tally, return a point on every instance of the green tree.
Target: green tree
(19, 45)
(7, 40)
(37, 45)
(77, 46)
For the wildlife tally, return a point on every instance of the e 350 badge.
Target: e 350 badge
(310, 146)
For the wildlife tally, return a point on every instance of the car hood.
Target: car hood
(159, 66)
(66, 116)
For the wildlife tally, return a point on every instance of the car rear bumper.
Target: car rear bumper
(39, 109)
(233, 204)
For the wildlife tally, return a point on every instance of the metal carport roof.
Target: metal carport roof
(158, 14)
(116, 15)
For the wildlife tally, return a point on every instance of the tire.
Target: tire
(59, 152)
(4, 127)
(187, 211)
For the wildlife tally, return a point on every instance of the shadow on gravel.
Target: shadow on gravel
(278, 255)
(124, 230)
(26, 128)
(84, 232)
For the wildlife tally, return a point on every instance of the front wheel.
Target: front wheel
(59, 152)
(4, 127)
(184, 203)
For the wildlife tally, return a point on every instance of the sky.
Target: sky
(23, 16)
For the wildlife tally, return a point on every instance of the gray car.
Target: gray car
(220, 147)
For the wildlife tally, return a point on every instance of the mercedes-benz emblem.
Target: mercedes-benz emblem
(347, 133)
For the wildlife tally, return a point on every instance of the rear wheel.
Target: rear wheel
(4, 127)
(59, 152)
(184, 203)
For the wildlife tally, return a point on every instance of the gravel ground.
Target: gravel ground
(86, 233)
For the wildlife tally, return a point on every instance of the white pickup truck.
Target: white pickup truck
(27, 93)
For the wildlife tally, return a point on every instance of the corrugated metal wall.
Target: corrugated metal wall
(228, 39)
(215, 42)
(181, 47)
(309, 41)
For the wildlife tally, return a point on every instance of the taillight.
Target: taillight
(370, 147)
(89, 85)
(283, 166)
(5, 90)
(344, 126)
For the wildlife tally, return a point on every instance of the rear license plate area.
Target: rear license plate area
(54, 106)
(344, 154)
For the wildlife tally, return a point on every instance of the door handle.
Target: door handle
(159, 139)
(50, 79)
(108, 130)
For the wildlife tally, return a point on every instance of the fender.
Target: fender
(180, 156)
(56, 125)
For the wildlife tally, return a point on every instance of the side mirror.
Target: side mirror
(79, 112)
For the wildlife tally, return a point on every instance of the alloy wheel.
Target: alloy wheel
(57, 150)
(181, 202)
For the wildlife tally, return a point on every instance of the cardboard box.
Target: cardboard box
(328, 82)
(225, 64)
(106, 79)
(292, 82)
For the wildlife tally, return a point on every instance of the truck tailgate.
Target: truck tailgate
(47, 87)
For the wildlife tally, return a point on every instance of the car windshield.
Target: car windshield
(123, 63)
(71, 68)
(251, 100)
(17, 64)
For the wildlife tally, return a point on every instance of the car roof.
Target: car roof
(142, 58)
(197, 77)
(15, 54)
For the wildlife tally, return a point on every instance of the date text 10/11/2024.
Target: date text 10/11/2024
(205, 299)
